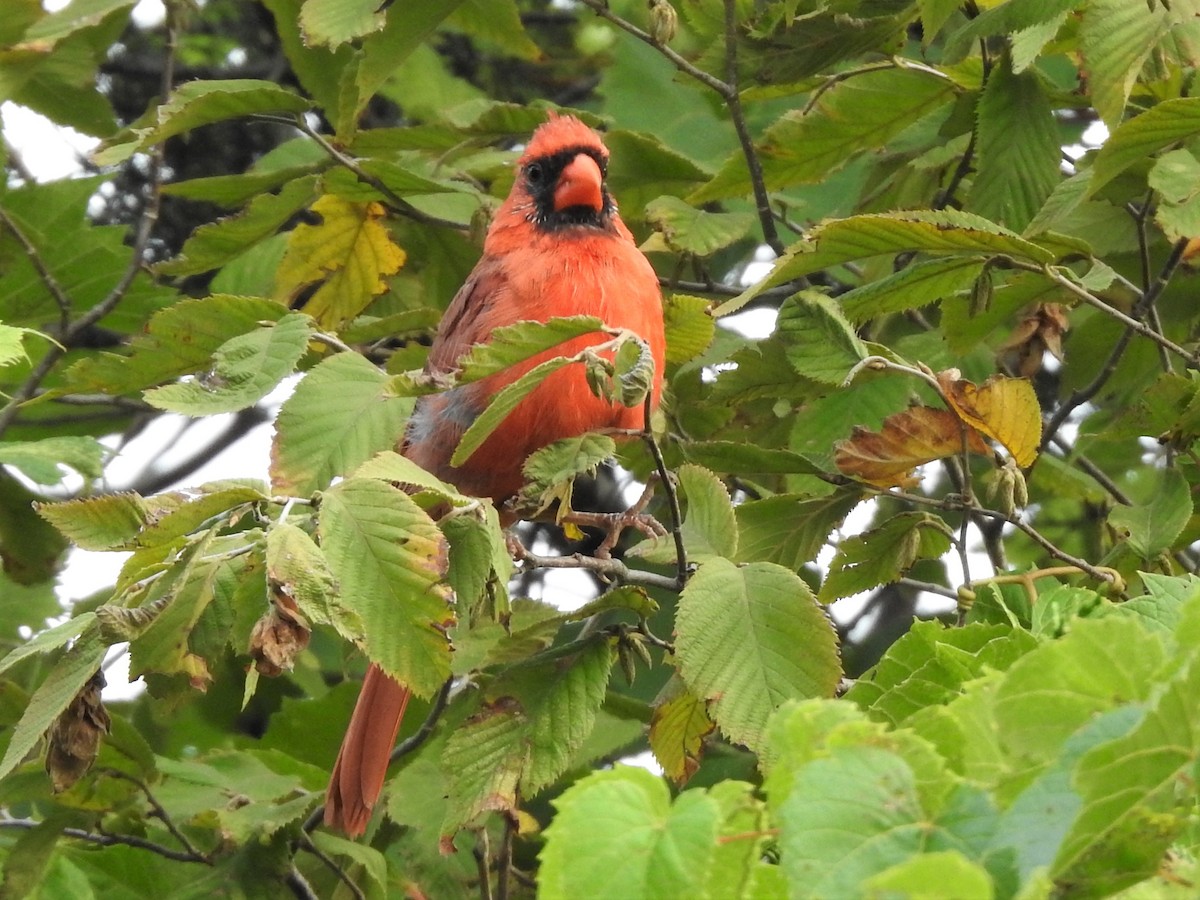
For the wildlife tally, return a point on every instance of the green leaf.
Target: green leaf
(234, 191)
(42, 461)
(170, 645)
(709, 527)
(535, 718)
(12, 344)
(689, 327)
(1162, 507)
(944, 875)
(858, 113)
(107, 522)
(247, 368)
(550, 472)
(339, 416)
(748, 459)
(364, 857)
(643, 168)
(685, 229)
(50, 639)
(389, 559)
(1134, 141)
(1128, 784)
(31, 546)
(296, 567)
(884, 554)
(1035, 823)
(196, 103)
(180, 339)
(391, 466)
(1017, 146)
(1053, 690)
(216, 243)
(790, 529)
(498, 24)
(677, 730)
(750, 638)
(69, 675)
(179, 513)
(502, 403)
(79, 15)
(408, 26)
(847, 817)
(1116, 39)
(334, 22)
(914, 286)
(942, 233)
(931, 665)
(819, 342)
(512, 344)
(617, 833)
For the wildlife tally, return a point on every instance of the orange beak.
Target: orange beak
(580, 184)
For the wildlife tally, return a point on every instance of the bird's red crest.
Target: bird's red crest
(558, 133)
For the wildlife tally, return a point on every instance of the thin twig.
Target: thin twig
(483, 862)
(660, 464)
(928, 587)
(934, 503)
(299, 885)
(105, 839)
(397, 203)
(1053, 273)
(600, 8)
(733, 102)
(35, 258)
(158, 811)
(504, 860)
(611, 569)
(307, 844)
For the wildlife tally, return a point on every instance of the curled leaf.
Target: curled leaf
(74, 738)
(1040, 330)
(279, 636)
(1004, 409)
(887, 458)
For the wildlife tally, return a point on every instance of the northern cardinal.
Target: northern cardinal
(555, 248)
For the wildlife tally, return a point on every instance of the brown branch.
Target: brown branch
(394, 201)
(733, 102)
(610, 569)
(105, 839)
(664, 477)
(159, 812)
(600, 8)
(307, 845)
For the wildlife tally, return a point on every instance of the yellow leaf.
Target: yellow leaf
(677, 731)
(908, 439)
(1004, 409)
(348, 253)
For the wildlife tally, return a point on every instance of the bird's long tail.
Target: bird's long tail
(361, 766)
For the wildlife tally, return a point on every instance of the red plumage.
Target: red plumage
(555, 248)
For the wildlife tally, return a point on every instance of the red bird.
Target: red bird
(556, 248)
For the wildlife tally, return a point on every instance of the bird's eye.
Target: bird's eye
(533, 172)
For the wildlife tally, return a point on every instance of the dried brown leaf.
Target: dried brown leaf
(279, 636)
(74, 738)
(887, 458)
